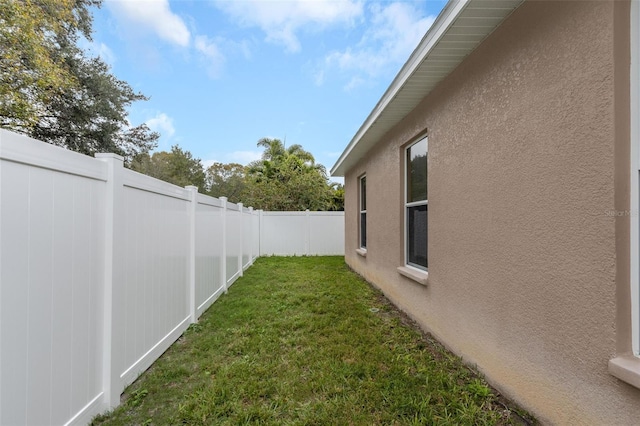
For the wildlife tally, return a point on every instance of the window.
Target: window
(363, 212)
(626, 364)
(634, 97)
(416, 203)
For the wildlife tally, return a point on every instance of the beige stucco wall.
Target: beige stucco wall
(525, 164)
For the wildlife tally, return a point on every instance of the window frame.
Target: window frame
(362, 212)
(406, 205)
(626, 364)
(634, 198)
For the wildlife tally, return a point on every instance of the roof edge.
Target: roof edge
(445, 19)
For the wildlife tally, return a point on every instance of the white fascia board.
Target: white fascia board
(440, 26)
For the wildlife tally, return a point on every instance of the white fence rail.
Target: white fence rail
(102, 269)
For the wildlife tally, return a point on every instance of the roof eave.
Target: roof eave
(365, 138)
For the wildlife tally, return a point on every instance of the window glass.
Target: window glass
(416, 204)
(363, 230)
(363, 212)
(417, 171)
(363, 193)
(417, 235)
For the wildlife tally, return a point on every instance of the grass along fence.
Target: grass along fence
(302, 341)
(102, 269)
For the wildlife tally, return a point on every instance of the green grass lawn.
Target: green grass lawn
(305, 341)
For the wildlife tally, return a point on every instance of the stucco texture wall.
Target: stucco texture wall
(522, 244)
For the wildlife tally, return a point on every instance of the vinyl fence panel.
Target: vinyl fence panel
(102, 269)
(326, 233)
(283, 234)
(153, 290)
(208, 262)
(233, 224)
(247, 224)
(255, 234)
(301, 233)
(51, 247)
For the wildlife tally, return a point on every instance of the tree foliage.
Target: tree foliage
(92, 116)
(337, 197)
(287, 179)
(30, 69)
(178, 167)
(50, 89)
(227, 180)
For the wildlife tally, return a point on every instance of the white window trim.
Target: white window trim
(406, 239)
(418, 275)
(635, 176)
(362, 250)
(408, 270)
(626, 366)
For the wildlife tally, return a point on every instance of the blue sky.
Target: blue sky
(223, 74)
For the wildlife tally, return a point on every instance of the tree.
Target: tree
(226, 180)
(92, 116)
(177, 167)
(275, 153)
(273, 149)
(337, 197)
(286, 179)
(30, 70)
(51, 91)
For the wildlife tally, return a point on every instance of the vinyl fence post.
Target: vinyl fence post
(191, 263)
(113, 218)
(223, 257)
(240, 209)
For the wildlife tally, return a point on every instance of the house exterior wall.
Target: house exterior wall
(528, 165)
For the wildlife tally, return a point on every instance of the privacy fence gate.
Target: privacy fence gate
(102, 269)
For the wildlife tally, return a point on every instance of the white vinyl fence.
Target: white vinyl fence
(102, 269)
(306, 233)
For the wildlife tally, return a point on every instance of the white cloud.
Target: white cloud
(240, 157)
(354, 83)
(235, 47)
(101, 50)
(281, 20)
(207, 163)
(244, 157)
(394, 30)
(155, 16)
(214, 58)
(318, 77)
(162, 124)
(105, 53)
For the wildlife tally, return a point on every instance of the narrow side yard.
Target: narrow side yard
(306, 341)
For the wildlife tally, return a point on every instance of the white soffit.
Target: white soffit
(456, 32)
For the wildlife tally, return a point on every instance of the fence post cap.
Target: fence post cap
(105, 155)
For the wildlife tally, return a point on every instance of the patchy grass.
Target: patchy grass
(304, 341)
